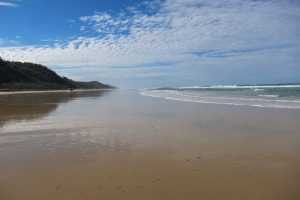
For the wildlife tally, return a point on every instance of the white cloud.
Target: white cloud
(8, 4)
(8, 42)
(178, 31)
(105, 23)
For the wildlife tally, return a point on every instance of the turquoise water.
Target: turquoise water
(273, 96)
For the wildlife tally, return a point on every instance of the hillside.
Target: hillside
(29, 76)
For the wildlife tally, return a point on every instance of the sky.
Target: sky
(136, 44)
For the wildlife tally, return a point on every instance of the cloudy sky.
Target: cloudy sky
(132, 43)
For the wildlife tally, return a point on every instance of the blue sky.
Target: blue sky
(156, 43)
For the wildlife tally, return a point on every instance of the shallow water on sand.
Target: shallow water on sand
(121, 145)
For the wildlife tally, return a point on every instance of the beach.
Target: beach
(120, 144)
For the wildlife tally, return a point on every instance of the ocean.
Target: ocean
(272, 96)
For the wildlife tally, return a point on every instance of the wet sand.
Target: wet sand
(121, 145)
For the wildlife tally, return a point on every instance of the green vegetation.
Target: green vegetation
(30, 76)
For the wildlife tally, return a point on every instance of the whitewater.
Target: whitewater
(268, 96)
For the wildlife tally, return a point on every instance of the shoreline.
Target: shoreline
(50, 91)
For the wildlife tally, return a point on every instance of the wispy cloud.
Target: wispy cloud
(8, 4)
(236, 52)
(168, 31)
(4, 42)
(106, 23)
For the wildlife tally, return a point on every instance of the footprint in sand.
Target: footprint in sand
(156, 180)
(58, 187)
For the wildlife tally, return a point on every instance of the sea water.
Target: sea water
(273, 96)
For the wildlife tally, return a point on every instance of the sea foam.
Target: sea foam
(277, 96)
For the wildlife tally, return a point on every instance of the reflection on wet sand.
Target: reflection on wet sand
(126, 146)
(31, 106)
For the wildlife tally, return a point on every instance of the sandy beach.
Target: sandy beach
(122, 145)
